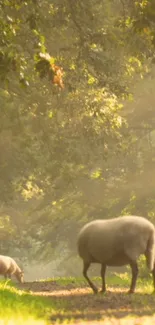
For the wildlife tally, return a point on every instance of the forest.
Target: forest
(77, 124)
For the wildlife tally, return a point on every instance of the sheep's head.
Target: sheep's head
(20, 276)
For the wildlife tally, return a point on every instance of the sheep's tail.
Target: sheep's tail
(150, 254)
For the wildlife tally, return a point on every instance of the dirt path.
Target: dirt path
(79, 306)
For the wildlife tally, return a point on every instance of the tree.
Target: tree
(68, 155)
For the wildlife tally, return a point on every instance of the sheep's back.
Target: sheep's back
(100, 240)
(5, 264)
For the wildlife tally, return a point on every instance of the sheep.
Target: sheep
(117, 242)
(9, 267)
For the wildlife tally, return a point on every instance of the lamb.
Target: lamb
(9, 267)
(116, 242)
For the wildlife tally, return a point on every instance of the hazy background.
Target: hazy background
(73, 154)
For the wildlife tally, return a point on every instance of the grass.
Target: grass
(70, 299)
(121, 280)
(20, 307)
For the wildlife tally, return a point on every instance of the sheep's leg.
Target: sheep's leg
(134, 269)
(103, 269)
(153, 274)
(8, 275)
(5, 276)
(85, 269)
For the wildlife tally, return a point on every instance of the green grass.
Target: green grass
(19, 307)
(124, 280)
(65, 281)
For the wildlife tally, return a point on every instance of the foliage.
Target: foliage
(75, 146)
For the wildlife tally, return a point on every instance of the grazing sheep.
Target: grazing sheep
(116, 242)
(9, 267)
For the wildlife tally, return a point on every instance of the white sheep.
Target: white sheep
(9, 267)
(116, 242)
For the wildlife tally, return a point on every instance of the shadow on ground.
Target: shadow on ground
(80, 303)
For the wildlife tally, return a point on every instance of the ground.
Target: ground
(74, 302)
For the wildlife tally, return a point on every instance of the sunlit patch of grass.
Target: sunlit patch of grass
(20, 320)
(19, 307)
